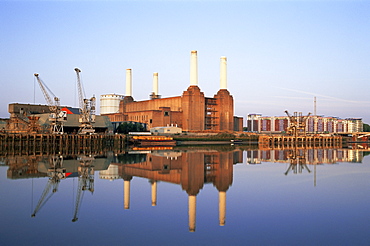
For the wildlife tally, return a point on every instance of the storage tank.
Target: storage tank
(109, 103)
(110, 174)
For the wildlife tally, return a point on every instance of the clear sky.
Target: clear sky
(281, 54)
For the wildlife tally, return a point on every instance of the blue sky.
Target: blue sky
(281, 54)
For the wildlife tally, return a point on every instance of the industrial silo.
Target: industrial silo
(109, 103)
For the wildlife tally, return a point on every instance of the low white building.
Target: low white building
(165, 130)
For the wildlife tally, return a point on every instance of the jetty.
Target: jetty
(69, 144)
(272, 141)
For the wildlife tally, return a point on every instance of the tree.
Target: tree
(366, 127)
(127, 127)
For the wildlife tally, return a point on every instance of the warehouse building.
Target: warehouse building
(32, 118)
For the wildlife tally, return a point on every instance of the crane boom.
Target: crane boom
(81, 93)
(57, 116)
(52, 105)
(87, 108)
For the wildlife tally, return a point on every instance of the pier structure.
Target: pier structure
(299, 141)
(68, 144)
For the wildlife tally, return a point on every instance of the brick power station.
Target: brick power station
(192, 111)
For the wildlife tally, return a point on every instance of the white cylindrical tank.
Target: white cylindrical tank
(110, 174)
(109, 103)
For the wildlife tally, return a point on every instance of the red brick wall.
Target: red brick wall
(225, 109)
(193, 108)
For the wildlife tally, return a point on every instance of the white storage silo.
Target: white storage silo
(109, 103)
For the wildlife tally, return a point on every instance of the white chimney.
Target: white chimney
(193, 68)
(154, 193)
(223, 73)
(126, 195)
(192, 207)
(128, 83)
(155, 84)
(222, 207)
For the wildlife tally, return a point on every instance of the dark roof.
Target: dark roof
(71, 110)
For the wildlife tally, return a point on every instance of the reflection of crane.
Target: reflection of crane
(57, 116)
(297, 123)
(87, 108)
(297, 162)
(85, 181)
(55, 173)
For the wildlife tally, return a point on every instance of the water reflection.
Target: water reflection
(57, 168)
(55, 172)
(190, 168)
(307, 156)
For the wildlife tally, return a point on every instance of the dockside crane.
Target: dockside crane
(87, 108)
(297, 123)
(292, 128)
(57, 116)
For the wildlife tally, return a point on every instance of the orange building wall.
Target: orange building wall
(193, 106)
(174, 103)
(191, 111)
(225, 109)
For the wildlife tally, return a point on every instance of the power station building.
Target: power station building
(192, 111)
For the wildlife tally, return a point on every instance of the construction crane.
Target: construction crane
(297, 123)
(87, 108)
(85, 181)
(55, 173)
(57, 116)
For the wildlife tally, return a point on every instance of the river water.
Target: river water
(225, 195)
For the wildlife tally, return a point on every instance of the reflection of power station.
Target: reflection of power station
(188, 169)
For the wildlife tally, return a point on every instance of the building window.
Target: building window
(166, 113)
(150, 121)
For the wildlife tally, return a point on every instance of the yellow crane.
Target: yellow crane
(87, 108)
(57, 116)
(297, 123)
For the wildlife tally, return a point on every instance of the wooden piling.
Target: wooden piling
(70, 144)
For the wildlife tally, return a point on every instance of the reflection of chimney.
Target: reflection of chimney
(126, 194)
(222, 207)
(223, 73)
(154, 193)
(128, 83)
(193, 68)
(192, 212)
(155, 84)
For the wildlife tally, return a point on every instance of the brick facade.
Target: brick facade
(191, 111)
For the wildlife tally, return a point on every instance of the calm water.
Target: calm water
(195, 196)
